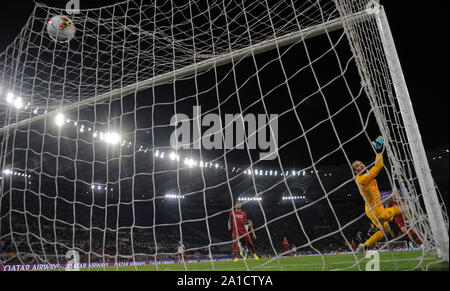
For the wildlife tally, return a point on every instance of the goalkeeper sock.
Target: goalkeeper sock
(375, 238)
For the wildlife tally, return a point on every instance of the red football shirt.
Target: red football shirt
(239, 218)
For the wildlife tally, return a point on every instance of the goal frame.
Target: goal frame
(421, 165)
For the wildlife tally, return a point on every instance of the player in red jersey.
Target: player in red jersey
(238, 219)
(400, 221)
(285, 245)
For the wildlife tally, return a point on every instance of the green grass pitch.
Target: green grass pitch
(389, 261)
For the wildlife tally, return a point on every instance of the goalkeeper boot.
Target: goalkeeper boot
(360, 250)
(235, 260)
(256, 256)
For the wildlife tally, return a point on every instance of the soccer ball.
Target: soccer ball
(61, 28)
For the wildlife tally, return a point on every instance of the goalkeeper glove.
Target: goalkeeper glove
(378, 144)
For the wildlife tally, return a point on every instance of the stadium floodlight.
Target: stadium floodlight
(189, 162)
(112, 138)
(174, 196)
(7, 172)
(18, 103)
(59, 119)
(10, 97)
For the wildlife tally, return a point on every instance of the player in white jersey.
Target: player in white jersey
(180, 251)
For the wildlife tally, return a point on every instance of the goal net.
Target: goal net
(145, 129)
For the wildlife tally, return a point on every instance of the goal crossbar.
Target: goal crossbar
(259, 48)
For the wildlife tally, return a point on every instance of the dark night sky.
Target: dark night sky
(421, 35)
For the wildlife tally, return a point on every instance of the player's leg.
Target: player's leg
(376, 216)
(235, 246)
(412, 235)
(242, 248)
(249, 242)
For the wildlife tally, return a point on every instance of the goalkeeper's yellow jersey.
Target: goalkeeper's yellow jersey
(368, 184)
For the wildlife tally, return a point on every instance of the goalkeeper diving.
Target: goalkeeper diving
(375, 211)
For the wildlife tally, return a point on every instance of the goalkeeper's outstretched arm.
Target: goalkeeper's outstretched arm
(359, 167)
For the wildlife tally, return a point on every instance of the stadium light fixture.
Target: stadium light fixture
(173, 196)
(10, 97)
(18, 103)
(112, 138)
(59, 120)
